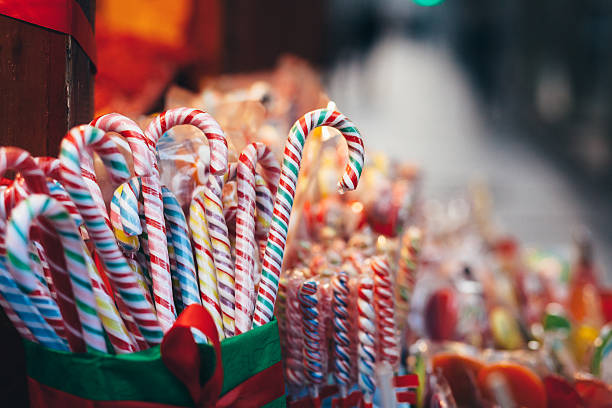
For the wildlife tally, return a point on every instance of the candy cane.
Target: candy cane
(313, 336)
(367, 340)
(181, 243)
(342, 341)
(273, 257)
(32, 179)
(117, 332)
(74, 147)
(294, 368)
(51, 167)
(145, 166)
(6, 282)
(216, 141)
(16, 303)
(18, 234)
(245, 227)
(265, 207)
(204, 258)
(211, 196)
(385, 311)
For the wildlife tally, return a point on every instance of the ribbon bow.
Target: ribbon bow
(181, 355)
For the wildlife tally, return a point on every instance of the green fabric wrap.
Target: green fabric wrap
(142, 376)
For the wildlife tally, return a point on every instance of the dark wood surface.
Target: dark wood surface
(46, 86)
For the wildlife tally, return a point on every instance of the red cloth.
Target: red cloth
(65, 16)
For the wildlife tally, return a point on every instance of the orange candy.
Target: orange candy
(461, 373)
(525, 386)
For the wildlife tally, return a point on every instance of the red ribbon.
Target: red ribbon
(181, 355)
(65, 16)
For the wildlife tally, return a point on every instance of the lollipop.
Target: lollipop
(18, 231)
(342, 326)
(367, 335)
(312, 335)
(75, 146)
(385, 311)
(246, 247)
(273, 258)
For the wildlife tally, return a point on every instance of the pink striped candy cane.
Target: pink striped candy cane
(246, 247)
(273, 257)
(75, 147)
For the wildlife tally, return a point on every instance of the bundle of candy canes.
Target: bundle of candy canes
(80, 271)
(339, 323)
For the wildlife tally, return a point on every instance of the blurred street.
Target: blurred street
(413, 100)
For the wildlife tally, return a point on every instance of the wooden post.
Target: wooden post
(46, 87)
(46, 84)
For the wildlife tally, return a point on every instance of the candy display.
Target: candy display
(382, 296)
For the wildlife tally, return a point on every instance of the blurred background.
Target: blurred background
(513, 94)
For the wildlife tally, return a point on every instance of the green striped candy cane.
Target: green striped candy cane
(277, 237)
(77, 146)
(18, 234)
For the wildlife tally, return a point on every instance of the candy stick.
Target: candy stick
(124, 216)
(10, 312)
(245, 227)
(178, 236)
(206, 267)
(51, 167)
(120, 338)
(294, 369)
(273, 257)
(145, 166)
(15, 302)
(367, 335)
(265, 207)
(408, 264)
(211, 196)
(342, 341)
(313, 336)
(32, 177)
(41, 267)
(216, 142)
(385, 311)
(74, 147)
(18, 234)
(185, 267)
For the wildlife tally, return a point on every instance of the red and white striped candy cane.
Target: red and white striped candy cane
(246, 247)
(385, 311)
(277, 237)
(31, 179)
(52, 169)
(145, 166)
(218, 166)
(75, 147)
